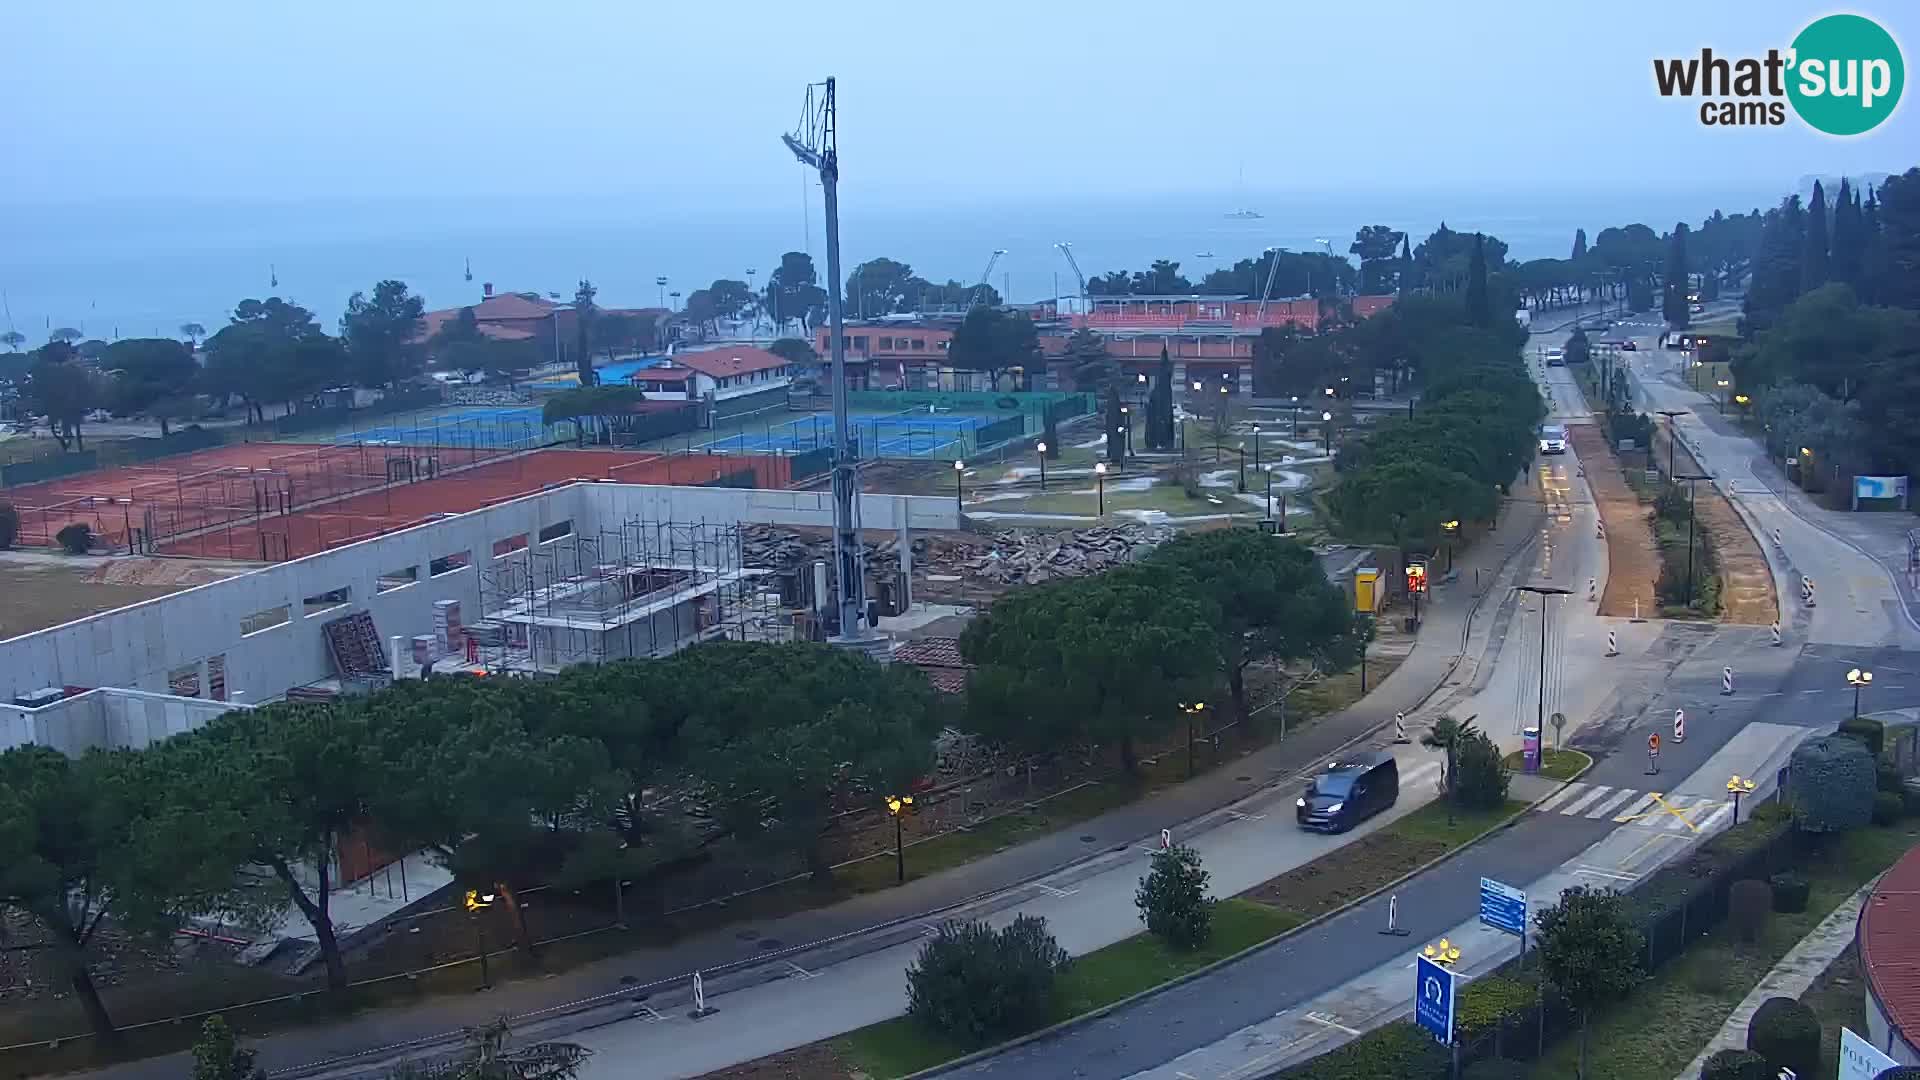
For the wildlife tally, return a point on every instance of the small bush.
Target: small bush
(217, 1054)
(1787, 1034)
(1399, 1050)
(1497, 1069)
(1768, 812)
(76, 539)
(1736, 1064)
(9, 525)
(1833, 784)
(1481, 772)
(1888, 808)
(976, 985)
(1173, 899)
(1790, 892)
(1868, 730)
(1748, 902)
(1887, 778)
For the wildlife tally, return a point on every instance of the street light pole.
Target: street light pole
(1256, 447)
(897, 805)
(1858, 678)
(1296, 416)
(1690, 478)
(1671, 440)
(959, 494)
(1193, 712)
(1100, 484)
(1543, 591)
(1042, 447)
(1326, 432)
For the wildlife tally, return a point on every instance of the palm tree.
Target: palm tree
(1446, 734)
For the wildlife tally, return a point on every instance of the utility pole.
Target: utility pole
(1672, 437)
(1690, 478)
(1543, 591)
(814, 141)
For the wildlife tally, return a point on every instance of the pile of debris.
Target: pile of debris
(1014, 557)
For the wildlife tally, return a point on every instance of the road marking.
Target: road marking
(798, 970)
(1599, 791)
(1328, 1021)
(1612, 806)
(1813, 691)
(1051, 891)
(1558, 797)
(1238, 816)
(1583, 868)
(1713, 819)
(647, 1014)
(930, 929)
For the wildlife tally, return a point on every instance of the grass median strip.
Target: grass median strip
(899, 1047)
(1556, 765)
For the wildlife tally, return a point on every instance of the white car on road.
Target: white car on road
(1553, 439)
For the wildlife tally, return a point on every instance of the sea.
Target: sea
(133, 269)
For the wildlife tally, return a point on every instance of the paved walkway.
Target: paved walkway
(1790, 978)
(1441, 642)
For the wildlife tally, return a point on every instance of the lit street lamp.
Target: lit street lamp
(1296, 415)
(1100, 484)
(476, 903)
(959, 474)
(1327, 433)
(898, 806)
(1670, 414)
(1042, 447)
(1243, 466)
(1723, 385)
(1193, 712)
(1450, 529)
(1737, 787)
(1256, 446)
(1858, 679)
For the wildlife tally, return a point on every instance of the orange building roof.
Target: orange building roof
(728, 361)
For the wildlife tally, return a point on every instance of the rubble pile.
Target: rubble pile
(1012, 557)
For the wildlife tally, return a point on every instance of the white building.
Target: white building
(719, 374)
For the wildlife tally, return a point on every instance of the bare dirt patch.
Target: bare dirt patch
(43, 589)
(1747, 595)
(1633, 560)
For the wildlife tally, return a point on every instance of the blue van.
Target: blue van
(1349, 791)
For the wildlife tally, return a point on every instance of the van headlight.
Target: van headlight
(1301, 803)
(1335, 808)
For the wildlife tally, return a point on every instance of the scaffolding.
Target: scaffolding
(645, 589)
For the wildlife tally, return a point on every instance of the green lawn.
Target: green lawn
(1557, 765)
(1657, 1031)
(1429, 824)
(898, 1047)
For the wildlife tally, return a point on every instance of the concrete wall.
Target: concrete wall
(138, 647)
(106, 719)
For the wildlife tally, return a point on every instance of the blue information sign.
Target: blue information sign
(1433, 999)
(1503, 907)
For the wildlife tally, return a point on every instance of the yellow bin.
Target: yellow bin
(1366, 589)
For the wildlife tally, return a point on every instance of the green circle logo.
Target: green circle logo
(1845, 75)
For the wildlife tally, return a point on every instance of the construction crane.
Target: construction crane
(1067, 250)
(980, 290)
(815, 142)
(1273, 268)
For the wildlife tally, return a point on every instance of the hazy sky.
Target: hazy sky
(680, 103)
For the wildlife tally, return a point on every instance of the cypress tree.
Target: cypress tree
(1873, 250)
(1673, 301)
(1116, 428)
(1845, 261)
(1165, 412)
(1479, 305)
(1579, 244)
(1814, 261)
(1406, 264)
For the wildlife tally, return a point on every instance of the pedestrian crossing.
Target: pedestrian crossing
(1634, 806)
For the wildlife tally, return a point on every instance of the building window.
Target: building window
(509, 545)
(556, 530)
(886, 343)
(326, 601)
(447, 564)
(396, 579)
(184, 681)
(860, 343)
(261, 621)
(919, 344)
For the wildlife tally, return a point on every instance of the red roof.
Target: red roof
(939, 658)
(1889, 948)
(490, 314)
(728, 361)
(1365, 306)
(663, 373)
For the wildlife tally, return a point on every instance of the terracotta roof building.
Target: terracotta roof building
(939, 658)
(1890, 956)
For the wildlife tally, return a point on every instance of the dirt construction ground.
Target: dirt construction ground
(1747, 596)
(1633, 562)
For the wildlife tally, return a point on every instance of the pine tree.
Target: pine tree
(1673, 301)
(1479, 305)
(1579, 244)
(1848, 251)
(1814, 262)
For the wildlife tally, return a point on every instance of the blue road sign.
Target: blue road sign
(1503, 907)
(1433, 999)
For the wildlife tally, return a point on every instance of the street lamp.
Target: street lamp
(1327, 433)
(1670, 414)
(1543, 591)
(1690, 478)
(1256, 446)
(662, 282)
(1042, 447)
(1450, 529)
(1126, 432)
(1723, 384)
(1193, 712)
(1444, 952)
(1858, 679)
(1243, 467)
(898, 806)
(959, 496)
(1295, 399)
(1737, 787)
(476, 903)
(1100, 483)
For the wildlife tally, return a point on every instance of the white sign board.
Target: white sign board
(1859, 1060)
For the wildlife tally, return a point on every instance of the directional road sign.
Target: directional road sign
(1433, 999)
(1503, 907)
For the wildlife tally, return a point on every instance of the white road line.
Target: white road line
(1328, 1021)
(1679, 822)
(1051, 891)
(1238, 816)
(1612, 806)
(1713, 819)
(1639, 810)
(800, 971)
(1599, 792)
(1558, 797)
(1597, 872)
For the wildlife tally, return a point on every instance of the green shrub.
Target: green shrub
(1399, 1050)
(1888, 778)
(1497, 1069)
(1787, 1034)
(76, 539)
(1486, 1001)
(9, 525)
(976, 985)
(1868, 730)
(1736, 1064)
(1748, 902)
(1790, 892)
(217, 1054)
(1833, 784)
(1173, 899)
(1888, 808)
(1771, 812)
(1481, 772)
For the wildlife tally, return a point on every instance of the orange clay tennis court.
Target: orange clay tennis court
(277, 536)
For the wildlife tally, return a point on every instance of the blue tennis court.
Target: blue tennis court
(493, 429)
(914, 434)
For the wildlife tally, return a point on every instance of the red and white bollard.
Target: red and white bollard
(1726, 682)
(1679, 725)
(1613, 644)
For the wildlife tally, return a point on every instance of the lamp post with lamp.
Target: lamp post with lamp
(1859, 679)
(898, 806)
(1194, 711)
(1737, 787)
(1671, 440)
(959, 477)
(1042, 447)
(1449, 530)
(1690, 478)
(1723, 385)
(1256, 447)
(1326, 433)
(1295, 411)
(1100, 485)
(478, 902)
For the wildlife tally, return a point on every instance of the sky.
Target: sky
(679, 105)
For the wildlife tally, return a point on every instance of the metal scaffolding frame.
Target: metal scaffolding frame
(644, 589)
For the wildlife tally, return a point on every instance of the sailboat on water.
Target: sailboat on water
(1245, 213)
(469, 269)
(273, 277)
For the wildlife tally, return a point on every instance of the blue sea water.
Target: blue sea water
(140, 269)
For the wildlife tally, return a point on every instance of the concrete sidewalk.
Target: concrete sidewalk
(1439, 646)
